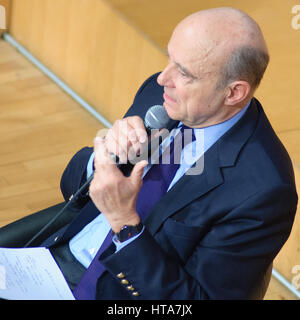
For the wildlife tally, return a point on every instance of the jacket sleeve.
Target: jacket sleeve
(74, 175)
(228, 262)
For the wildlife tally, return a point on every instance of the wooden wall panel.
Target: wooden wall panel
(41, 128)
(96, 52)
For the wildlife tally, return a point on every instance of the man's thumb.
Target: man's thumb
(138, 170)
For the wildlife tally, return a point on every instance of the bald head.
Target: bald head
(217, 58)
(225, 26)
(230, 40)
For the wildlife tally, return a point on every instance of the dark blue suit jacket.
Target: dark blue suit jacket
(212, 236)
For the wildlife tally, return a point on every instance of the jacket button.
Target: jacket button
(131, 288)
(135, 294)
(120, 275)
(124, 281)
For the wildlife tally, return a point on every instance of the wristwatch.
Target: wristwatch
(128, 232)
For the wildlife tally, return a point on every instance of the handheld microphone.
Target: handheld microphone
(155, 118)
(158, 118)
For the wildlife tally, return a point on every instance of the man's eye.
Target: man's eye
(183, 74)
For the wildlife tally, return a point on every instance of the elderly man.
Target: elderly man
(211, 235)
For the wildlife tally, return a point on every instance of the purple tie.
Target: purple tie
(157, 180)
(155, 185)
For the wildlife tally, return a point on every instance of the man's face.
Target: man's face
(190, 81)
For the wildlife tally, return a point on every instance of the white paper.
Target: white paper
(31, 274)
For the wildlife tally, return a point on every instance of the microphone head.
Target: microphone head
(157, 118)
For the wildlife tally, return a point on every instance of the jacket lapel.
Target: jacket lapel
(222, 154)
(186, 190)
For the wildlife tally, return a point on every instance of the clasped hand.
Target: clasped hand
(112, 193)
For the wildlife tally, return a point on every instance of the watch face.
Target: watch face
(128, 232)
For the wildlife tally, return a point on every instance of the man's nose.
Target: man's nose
(165, 78)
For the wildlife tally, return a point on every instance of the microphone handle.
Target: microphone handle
(73, 199)
(125, 168)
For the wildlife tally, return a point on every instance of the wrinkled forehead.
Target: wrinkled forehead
(197, 49)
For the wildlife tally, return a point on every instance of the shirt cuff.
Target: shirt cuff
(90, 166)
(120, 245)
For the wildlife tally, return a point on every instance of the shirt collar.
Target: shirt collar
(215, 131)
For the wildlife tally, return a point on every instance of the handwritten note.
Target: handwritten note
(31, 274)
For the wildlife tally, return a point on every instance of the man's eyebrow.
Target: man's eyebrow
(185, 71)
(182, 68)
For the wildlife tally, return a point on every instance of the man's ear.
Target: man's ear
(237, 92)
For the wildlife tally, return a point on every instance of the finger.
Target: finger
(137, 172)
(115, 148)
(105, 166)
(139, 128)
(117, 142)
(101, 154)
(126, 135)
(129, 135)
(137, 134)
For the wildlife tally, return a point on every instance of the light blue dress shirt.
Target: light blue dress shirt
(86, 243)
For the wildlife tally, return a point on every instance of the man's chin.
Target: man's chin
(172, 115)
